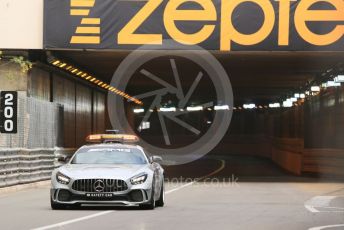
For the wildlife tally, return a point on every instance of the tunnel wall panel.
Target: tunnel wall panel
(64, 94)
(98, 112)
(39, 84)
(83, 114)
(324, 120)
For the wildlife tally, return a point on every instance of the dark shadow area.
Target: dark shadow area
(239, 168)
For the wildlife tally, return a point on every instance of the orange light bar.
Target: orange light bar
(100, 138)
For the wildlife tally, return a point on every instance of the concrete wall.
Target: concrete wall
(11, 77)
(21, 24)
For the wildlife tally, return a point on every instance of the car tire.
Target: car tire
(56, 206)
(151, 204)
(161, 201)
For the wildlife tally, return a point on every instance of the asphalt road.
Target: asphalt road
(268, 200)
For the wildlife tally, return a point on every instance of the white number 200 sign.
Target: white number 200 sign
(8, 116)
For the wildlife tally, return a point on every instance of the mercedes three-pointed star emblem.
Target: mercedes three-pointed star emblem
(99, 186)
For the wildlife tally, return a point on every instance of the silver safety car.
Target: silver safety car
(109, 171)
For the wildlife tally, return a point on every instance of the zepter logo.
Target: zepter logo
(280, 17)
(99, 186)
(89, 30)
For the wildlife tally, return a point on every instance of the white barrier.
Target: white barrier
(20, 166)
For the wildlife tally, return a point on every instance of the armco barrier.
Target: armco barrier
(324, 162)
(20, 166)
(287, 153)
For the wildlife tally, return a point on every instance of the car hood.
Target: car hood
(87, 171)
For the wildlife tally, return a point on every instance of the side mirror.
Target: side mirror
(157, 159)
(63, 159)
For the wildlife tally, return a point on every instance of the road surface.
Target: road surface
(202, 195)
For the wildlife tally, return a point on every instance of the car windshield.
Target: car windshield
(106, 155)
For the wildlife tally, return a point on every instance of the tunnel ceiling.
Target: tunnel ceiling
(255, 76)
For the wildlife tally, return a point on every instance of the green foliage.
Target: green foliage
(24, 65)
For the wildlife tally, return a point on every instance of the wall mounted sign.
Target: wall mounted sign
(225, 25)
(8, 111)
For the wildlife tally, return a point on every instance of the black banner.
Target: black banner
(226, 25)
(8, 111)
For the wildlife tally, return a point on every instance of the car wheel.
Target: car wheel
(56, 206)
(151, 204)
(161, 200)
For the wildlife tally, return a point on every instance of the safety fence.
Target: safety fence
(39, 124)
(20, 166)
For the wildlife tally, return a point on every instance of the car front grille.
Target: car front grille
(99, 185)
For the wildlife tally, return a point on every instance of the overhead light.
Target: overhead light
(315, 89)
(170, 109)
(221, 107)
(144, 125)
(297, 95)
(249, 106)
(274, 105)
(56, 62)
(331, 84)
(302, 95)
(194, 108)
(82, 74)
(339, 79)
(293, 99)
(287, 104)
(208, 122)
(139, 110)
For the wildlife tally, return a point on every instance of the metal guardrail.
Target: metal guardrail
(20, 166)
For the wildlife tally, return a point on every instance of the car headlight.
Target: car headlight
(139, 179)
(63, 179)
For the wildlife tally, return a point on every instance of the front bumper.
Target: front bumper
(130, 197)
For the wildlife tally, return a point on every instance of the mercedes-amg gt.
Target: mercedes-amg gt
(109, 172)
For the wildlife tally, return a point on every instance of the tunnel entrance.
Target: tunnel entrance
(302, 137)
(286, 110)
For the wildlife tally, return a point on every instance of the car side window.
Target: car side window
(148, 155)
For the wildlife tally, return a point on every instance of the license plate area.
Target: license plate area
(99, 195)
